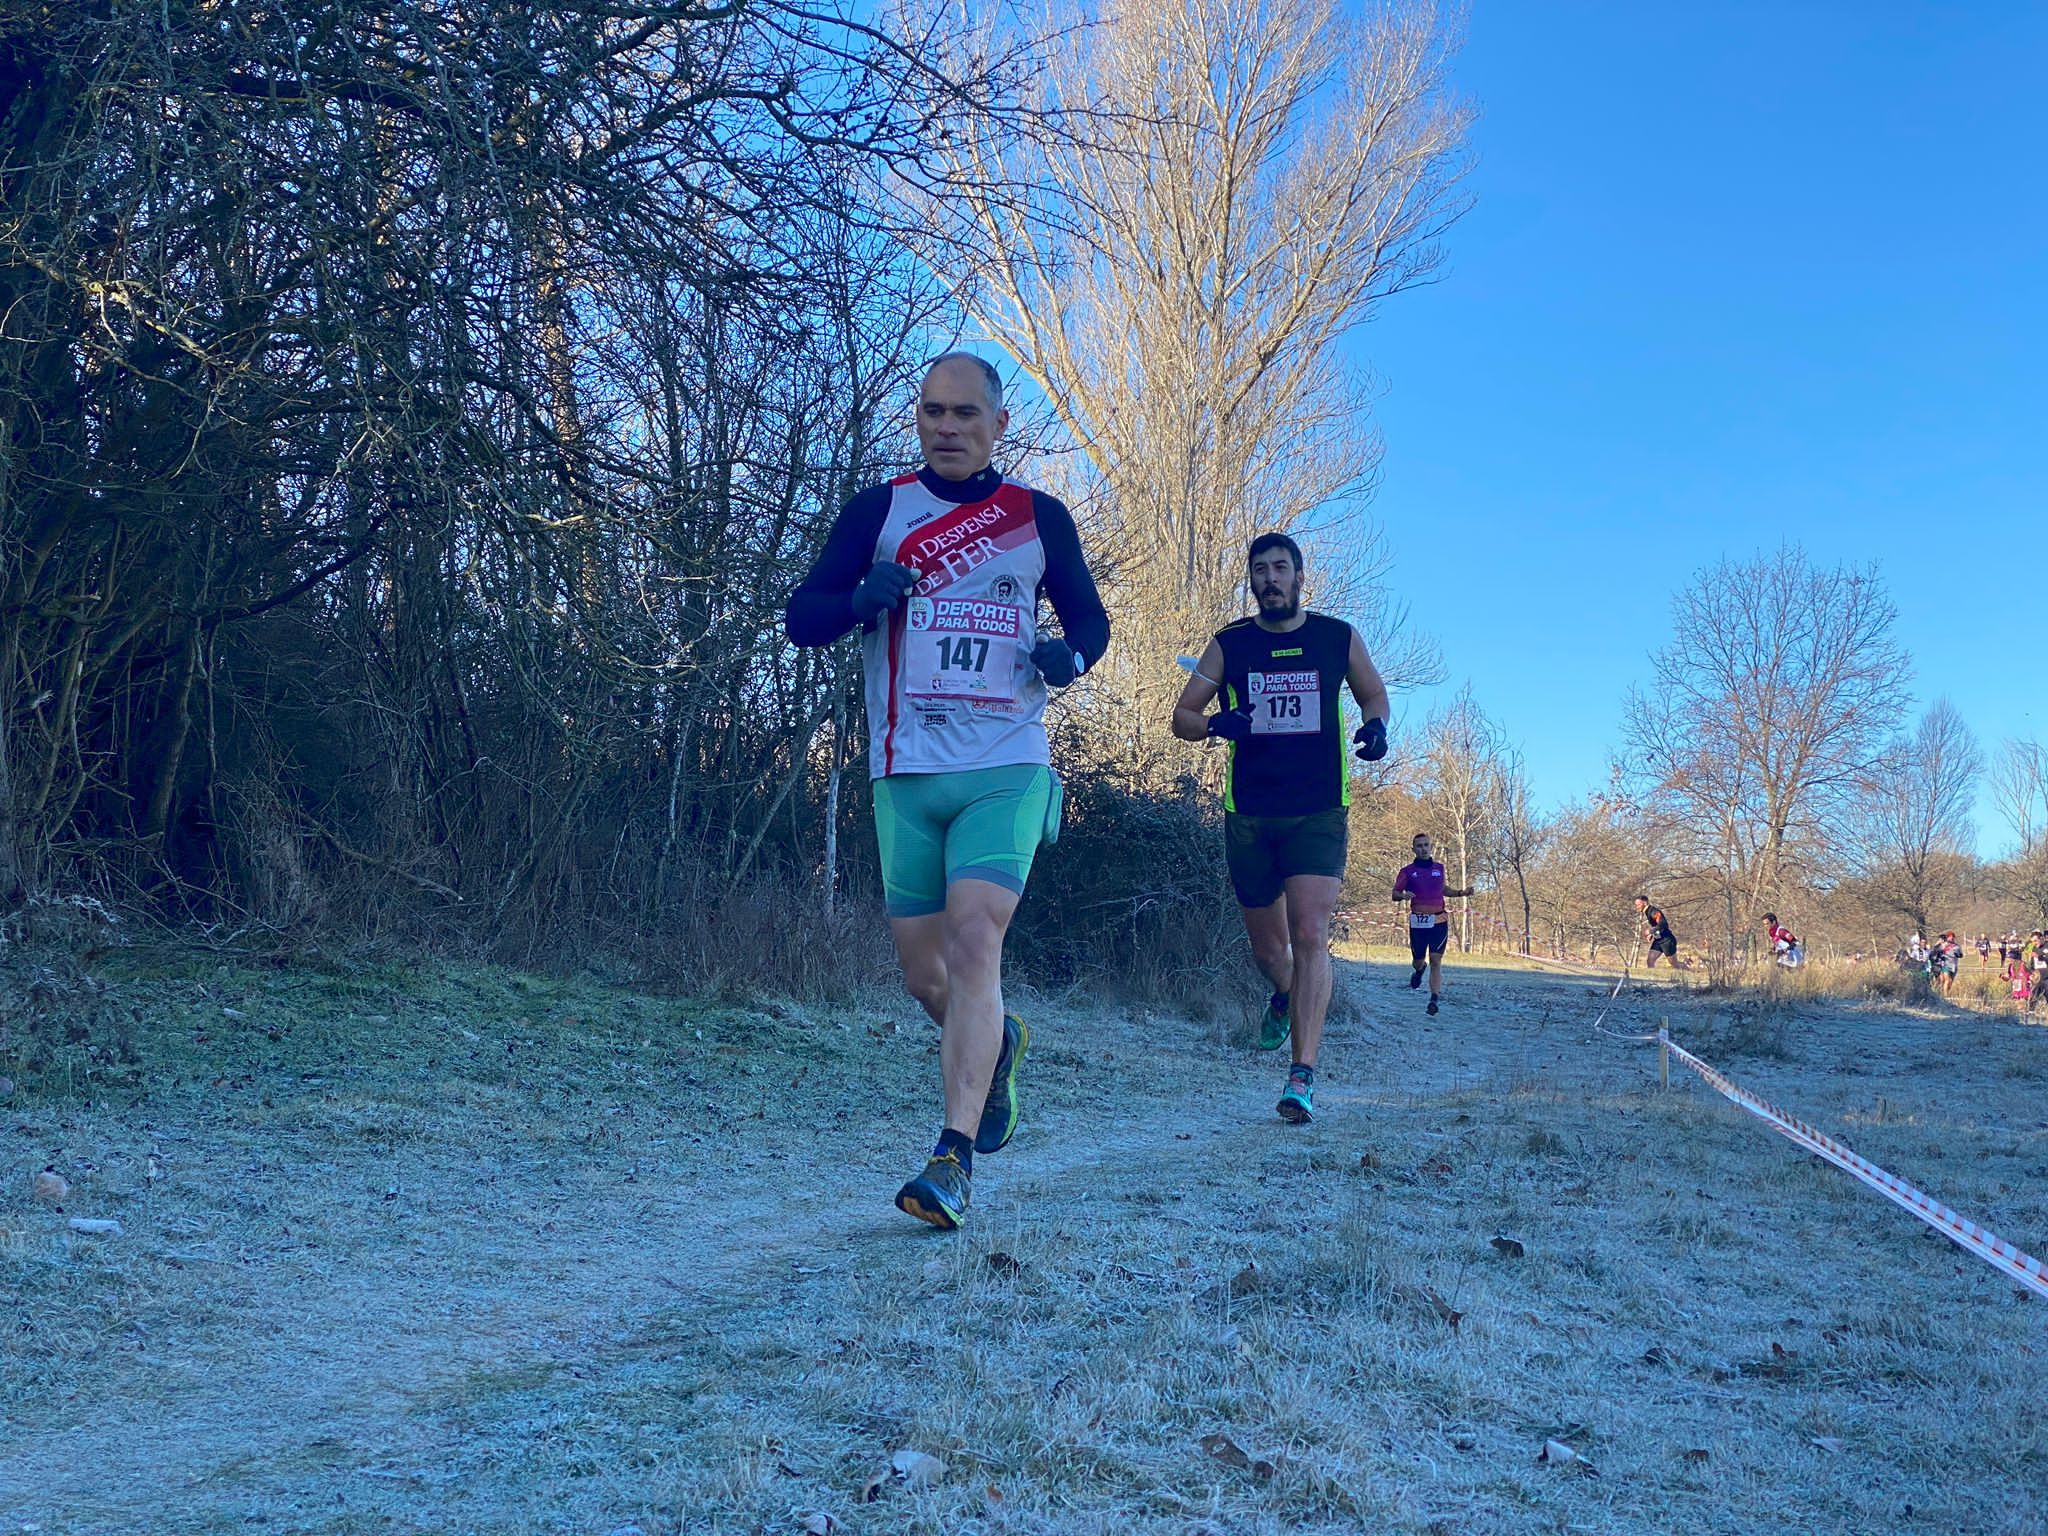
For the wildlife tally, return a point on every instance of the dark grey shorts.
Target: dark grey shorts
(1262, 851)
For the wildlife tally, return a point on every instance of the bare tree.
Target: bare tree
(1767, 715)
(1459, 781)
(1520, 834)
(2019, 785)
(1591, 862)
(1914, 821)
(390, 396)
(1237, 187)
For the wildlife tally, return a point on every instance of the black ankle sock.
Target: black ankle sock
(1279, 1002)
(960, 1146)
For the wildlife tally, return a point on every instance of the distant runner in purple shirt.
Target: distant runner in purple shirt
(1422, 886)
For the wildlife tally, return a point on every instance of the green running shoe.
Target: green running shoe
(1276, 1025)
(938, 1195)
(1294, 1106)
(999, 1115)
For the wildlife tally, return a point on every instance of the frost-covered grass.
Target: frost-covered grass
(458, 1249)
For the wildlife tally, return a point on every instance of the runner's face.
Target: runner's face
(1276, 584)
(956, 427)
(1422, 847)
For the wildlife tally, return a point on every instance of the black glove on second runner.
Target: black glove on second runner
(1231, 724)
(882, 589)
(1057, 662)
(1371, 738)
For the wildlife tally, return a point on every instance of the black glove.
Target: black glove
(1057, 661)
(1231, 724)
(1371, 739)
(882, 589)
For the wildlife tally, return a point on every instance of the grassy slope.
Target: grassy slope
(467, 1250)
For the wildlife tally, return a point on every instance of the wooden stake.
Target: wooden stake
(1664, 1054)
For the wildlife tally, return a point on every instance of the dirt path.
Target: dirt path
(650, 1279)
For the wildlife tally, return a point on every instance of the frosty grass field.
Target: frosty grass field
(469, 1250)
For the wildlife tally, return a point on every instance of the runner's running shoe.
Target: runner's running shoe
(1431, 1010)
(938, 1195)
(1415, 978)
(999, 1115)
(1294, 1106)
(1276, 1025)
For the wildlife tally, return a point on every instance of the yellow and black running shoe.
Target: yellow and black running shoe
(938, 1195)
(1000, 1114)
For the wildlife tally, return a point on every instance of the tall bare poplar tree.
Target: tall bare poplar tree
(1237, 186)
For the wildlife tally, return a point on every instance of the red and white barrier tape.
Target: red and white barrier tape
(1989, 1247)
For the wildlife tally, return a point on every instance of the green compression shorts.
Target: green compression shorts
(977, 824)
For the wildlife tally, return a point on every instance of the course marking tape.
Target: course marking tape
(1988, 1246)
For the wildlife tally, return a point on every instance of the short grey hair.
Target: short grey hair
(991, 380)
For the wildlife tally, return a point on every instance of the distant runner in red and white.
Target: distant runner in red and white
(1785, 946)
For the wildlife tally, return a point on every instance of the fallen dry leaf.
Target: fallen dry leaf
(1447, 1313)
(89, 1227)
(1829, 1444)
(1003, 1263)
(1697, 1455)
(51, 1187)
(1246, 1280)
(1226, 1450)
(818, 1523)
(1508, 1247)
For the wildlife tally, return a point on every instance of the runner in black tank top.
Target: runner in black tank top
(1294, 763)
(1279, 674)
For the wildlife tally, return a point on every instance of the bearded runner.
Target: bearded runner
(1281, 672)
(943, 572)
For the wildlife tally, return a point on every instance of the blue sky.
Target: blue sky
(1736, 274)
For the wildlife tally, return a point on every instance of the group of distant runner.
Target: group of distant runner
(942, 572)
(2022, 962)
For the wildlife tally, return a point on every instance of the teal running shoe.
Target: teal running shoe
(1276, 1025)
(938, 1195)
(1294, 1106)
(999, 1115)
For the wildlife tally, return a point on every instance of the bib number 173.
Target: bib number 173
(1285, 703)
